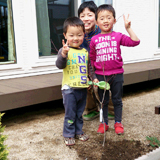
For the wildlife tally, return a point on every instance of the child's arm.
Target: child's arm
(91, 72)
(127, 24)
(94, 78)
(61, 62)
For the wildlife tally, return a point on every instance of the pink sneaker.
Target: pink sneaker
(119, 129)
(101, 128)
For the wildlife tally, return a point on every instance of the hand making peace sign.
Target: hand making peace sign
(65, 48)
(127, 22)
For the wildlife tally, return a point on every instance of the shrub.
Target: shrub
(154, 142)
(3, 148)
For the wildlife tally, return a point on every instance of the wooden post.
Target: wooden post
(157, 110)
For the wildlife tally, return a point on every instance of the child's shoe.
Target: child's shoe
(101, 128)
(69, 141)
(119, 129)
(92, 115)
(82, 137)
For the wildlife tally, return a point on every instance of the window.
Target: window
(7, 45)
(99, 2)
(50, 18)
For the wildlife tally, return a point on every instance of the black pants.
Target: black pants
(74, 101)
(116, 87)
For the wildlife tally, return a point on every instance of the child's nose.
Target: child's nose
(105, 20)
(75, 37)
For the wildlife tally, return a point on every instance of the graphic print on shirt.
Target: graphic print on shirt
(76, 69)
(106, 49)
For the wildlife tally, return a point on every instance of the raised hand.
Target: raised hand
(127, 22)
(65, 48)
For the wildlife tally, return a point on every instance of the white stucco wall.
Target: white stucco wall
(143, 16)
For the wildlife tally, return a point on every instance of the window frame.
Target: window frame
(9, 65)
(50, 60)
(157, 11)
(13, 61)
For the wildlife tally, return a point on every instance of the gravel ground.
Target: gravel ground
(36, 132)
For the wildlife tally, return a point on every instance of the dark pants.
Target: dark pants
(74, 101)
(116, 87)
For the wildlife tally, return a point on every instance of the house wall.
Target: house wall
(143, 15)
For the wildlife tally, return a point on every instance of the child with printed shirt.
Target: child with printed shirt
(105, 56)
(74, 61)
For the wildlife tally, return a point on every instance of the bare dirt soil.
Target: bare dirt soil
(35, 132)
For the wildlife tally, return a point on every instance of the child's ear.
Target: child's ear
(115, 21)
(64, 35)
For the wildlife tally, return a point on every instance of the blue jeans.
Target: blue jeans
(116, 87)
(74, 101)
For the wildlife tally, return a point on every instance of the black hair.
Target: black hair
(73, 21)
(89, 4)
(105, 7)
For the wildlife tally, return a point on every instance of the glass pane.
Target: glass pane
(99, 2)
(7, 43)
(50, 18)
(159, 27)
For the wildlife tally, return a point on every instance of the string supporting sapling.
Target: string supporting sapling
(102, 85)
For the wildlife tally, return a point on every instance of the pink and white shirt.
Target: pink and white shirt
(105, 52)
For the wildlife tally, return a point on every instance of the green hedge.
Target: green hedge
(3, 148)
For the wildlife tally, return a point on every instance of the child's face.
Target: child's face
(74, 36)
(105, 21)
(88, 19)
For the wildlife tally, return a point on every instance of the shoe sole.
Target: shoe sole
(84, 140)
(71, 144)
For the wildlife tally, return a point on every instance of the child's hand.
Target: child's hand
(65, 48)
(96, 81)
(127, 22)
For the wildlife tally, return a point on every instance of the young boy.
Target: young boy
(74, 61)
(105, 56)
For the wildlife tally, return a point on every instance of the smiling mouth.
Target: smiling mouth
(106, 26)
(86, 24)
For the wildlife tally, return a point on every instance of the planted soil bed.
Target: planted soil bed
(35, 132)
